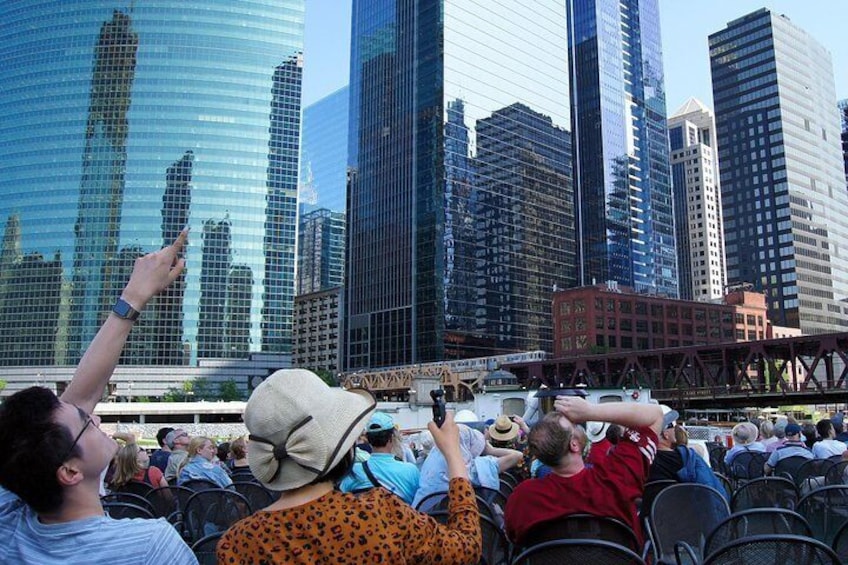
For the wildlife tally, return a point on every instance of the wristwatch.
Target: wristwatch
(124, 310)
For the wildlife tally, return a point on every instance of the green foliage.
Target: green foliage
(3, 385)
(326, 376)
(228, 391)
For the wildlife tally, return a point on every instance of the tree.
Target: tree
(228, 391)
(3, 384)
(326, 376)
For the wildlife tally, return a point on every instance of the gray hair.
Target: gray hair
(744, 433)
(766, 429)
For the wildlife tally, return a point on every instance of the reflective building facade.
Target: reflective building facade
(460, 208)
(122, 123)
(782, 178)
(621, 163)
(323, 193)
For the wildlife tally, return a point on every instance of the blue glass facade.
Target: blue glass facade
(323, 193)
(625, 215)
(460, 206)
(125, 121)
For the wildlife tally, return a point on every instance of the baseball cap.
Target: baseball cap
(669, 416)
(793, 429)
(380, 422)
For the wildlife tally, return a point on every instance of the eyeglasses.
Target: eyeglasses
(89, 420)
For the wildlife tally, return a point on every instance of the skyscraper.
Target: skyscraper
(697, 203)
(322, 194)
(843, 115)
(782, 178)
(625, 221)
(425, 78)
(123, 122)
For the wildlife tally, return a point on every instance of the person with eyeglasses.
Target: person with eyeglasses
(50, 473)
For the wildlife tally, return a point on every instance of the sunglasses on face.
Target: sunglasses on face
(88, 422)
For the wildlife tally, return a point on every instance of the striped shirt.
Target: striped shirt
(95, 540)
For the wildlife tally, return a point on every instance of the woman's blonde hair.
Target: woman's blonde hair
(126, 465)
(193, 447)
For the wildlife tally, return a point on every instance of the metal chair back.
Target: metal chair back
(789, 466)
(747, 465)
(754, 522)
(121, 510)
(127, 498)
(198, 485)
(811, 474)
(204, 549)
(136, 487)
(213, 510)
(685, 512)
(584, 526)
(578, 551)
(258, 496)
(765, 492)
(826, 509)
(837, 474)
(168, 502)
(771, 549)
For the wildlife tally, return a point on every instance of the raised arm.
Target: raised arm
(629, 414)
(151, 274)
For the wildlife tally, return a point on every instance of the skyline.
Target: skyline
(327, 43)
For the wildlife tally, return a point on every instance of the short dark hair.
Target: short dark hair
(35, 447)
(160, 435)
(823, 428)
(381, 438)
(548, 440)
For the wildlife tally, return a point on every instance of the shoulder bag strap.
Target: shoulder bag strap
(371, 476)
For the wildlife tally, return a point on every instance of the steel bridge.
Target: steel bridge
(795, 370)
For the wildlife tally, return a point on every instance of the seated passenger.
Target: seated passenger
(483, 462)
(828, 446)
(302, 435)
(610, 489)
(382, 469)
(132, 463)
(55, 454)
(793, 446)
(199, 465)
(744, 439)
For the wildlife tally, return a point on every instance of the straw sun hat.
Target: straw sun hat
(300, 428)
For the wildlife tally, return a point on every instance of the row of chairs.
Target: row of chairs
(690, 523)
(801, 470)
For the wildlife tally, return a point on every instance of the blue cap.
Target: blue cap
(793, 429)
(380, 422)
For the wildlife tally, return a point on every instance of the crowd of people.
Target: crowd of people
(348, 482)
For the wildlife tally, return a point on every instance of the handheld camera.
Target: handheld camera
(438, 396)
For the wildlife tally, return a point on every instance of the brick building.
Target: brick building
(608, 318)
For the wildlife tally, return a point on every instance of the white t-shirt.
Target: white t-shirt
(828, 448)
(96, 540)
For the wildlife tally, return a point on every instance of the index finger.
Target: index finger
(179, 243)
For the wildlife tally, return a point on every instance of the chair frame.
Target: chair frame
(146, 514)
(783, 481)
(775, 512)
(753, 540)
(524, 556)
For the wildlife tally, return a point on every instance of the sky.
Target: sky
(686, 24)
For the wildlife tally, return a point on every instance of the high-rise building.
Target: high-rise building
(322, 195)
(320, 251)
(843, 115)
(323, 153)
(123, 122)
(782, 179)
(426, 80)
(621, 165)
(697, 203)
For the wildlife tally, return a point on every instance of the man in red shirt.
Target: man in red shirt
(605, 490)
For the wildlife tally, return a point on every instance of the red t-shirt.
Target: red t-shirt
(609, 490)
(599, 452)
(154, 476)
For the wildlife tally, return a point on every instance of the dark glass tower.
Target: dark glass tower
(782, 177)
(427, 81)
(625, 220)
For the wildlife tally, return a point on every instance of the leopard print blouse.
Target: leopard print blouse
(339, 528)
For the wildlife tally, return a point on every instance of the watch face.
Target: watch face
(124, 310)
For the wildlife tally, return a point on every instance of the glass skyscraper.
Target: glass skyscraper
(122, 123)
(323, 193)
(625, 220)
(460, 208)
(782, 179)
